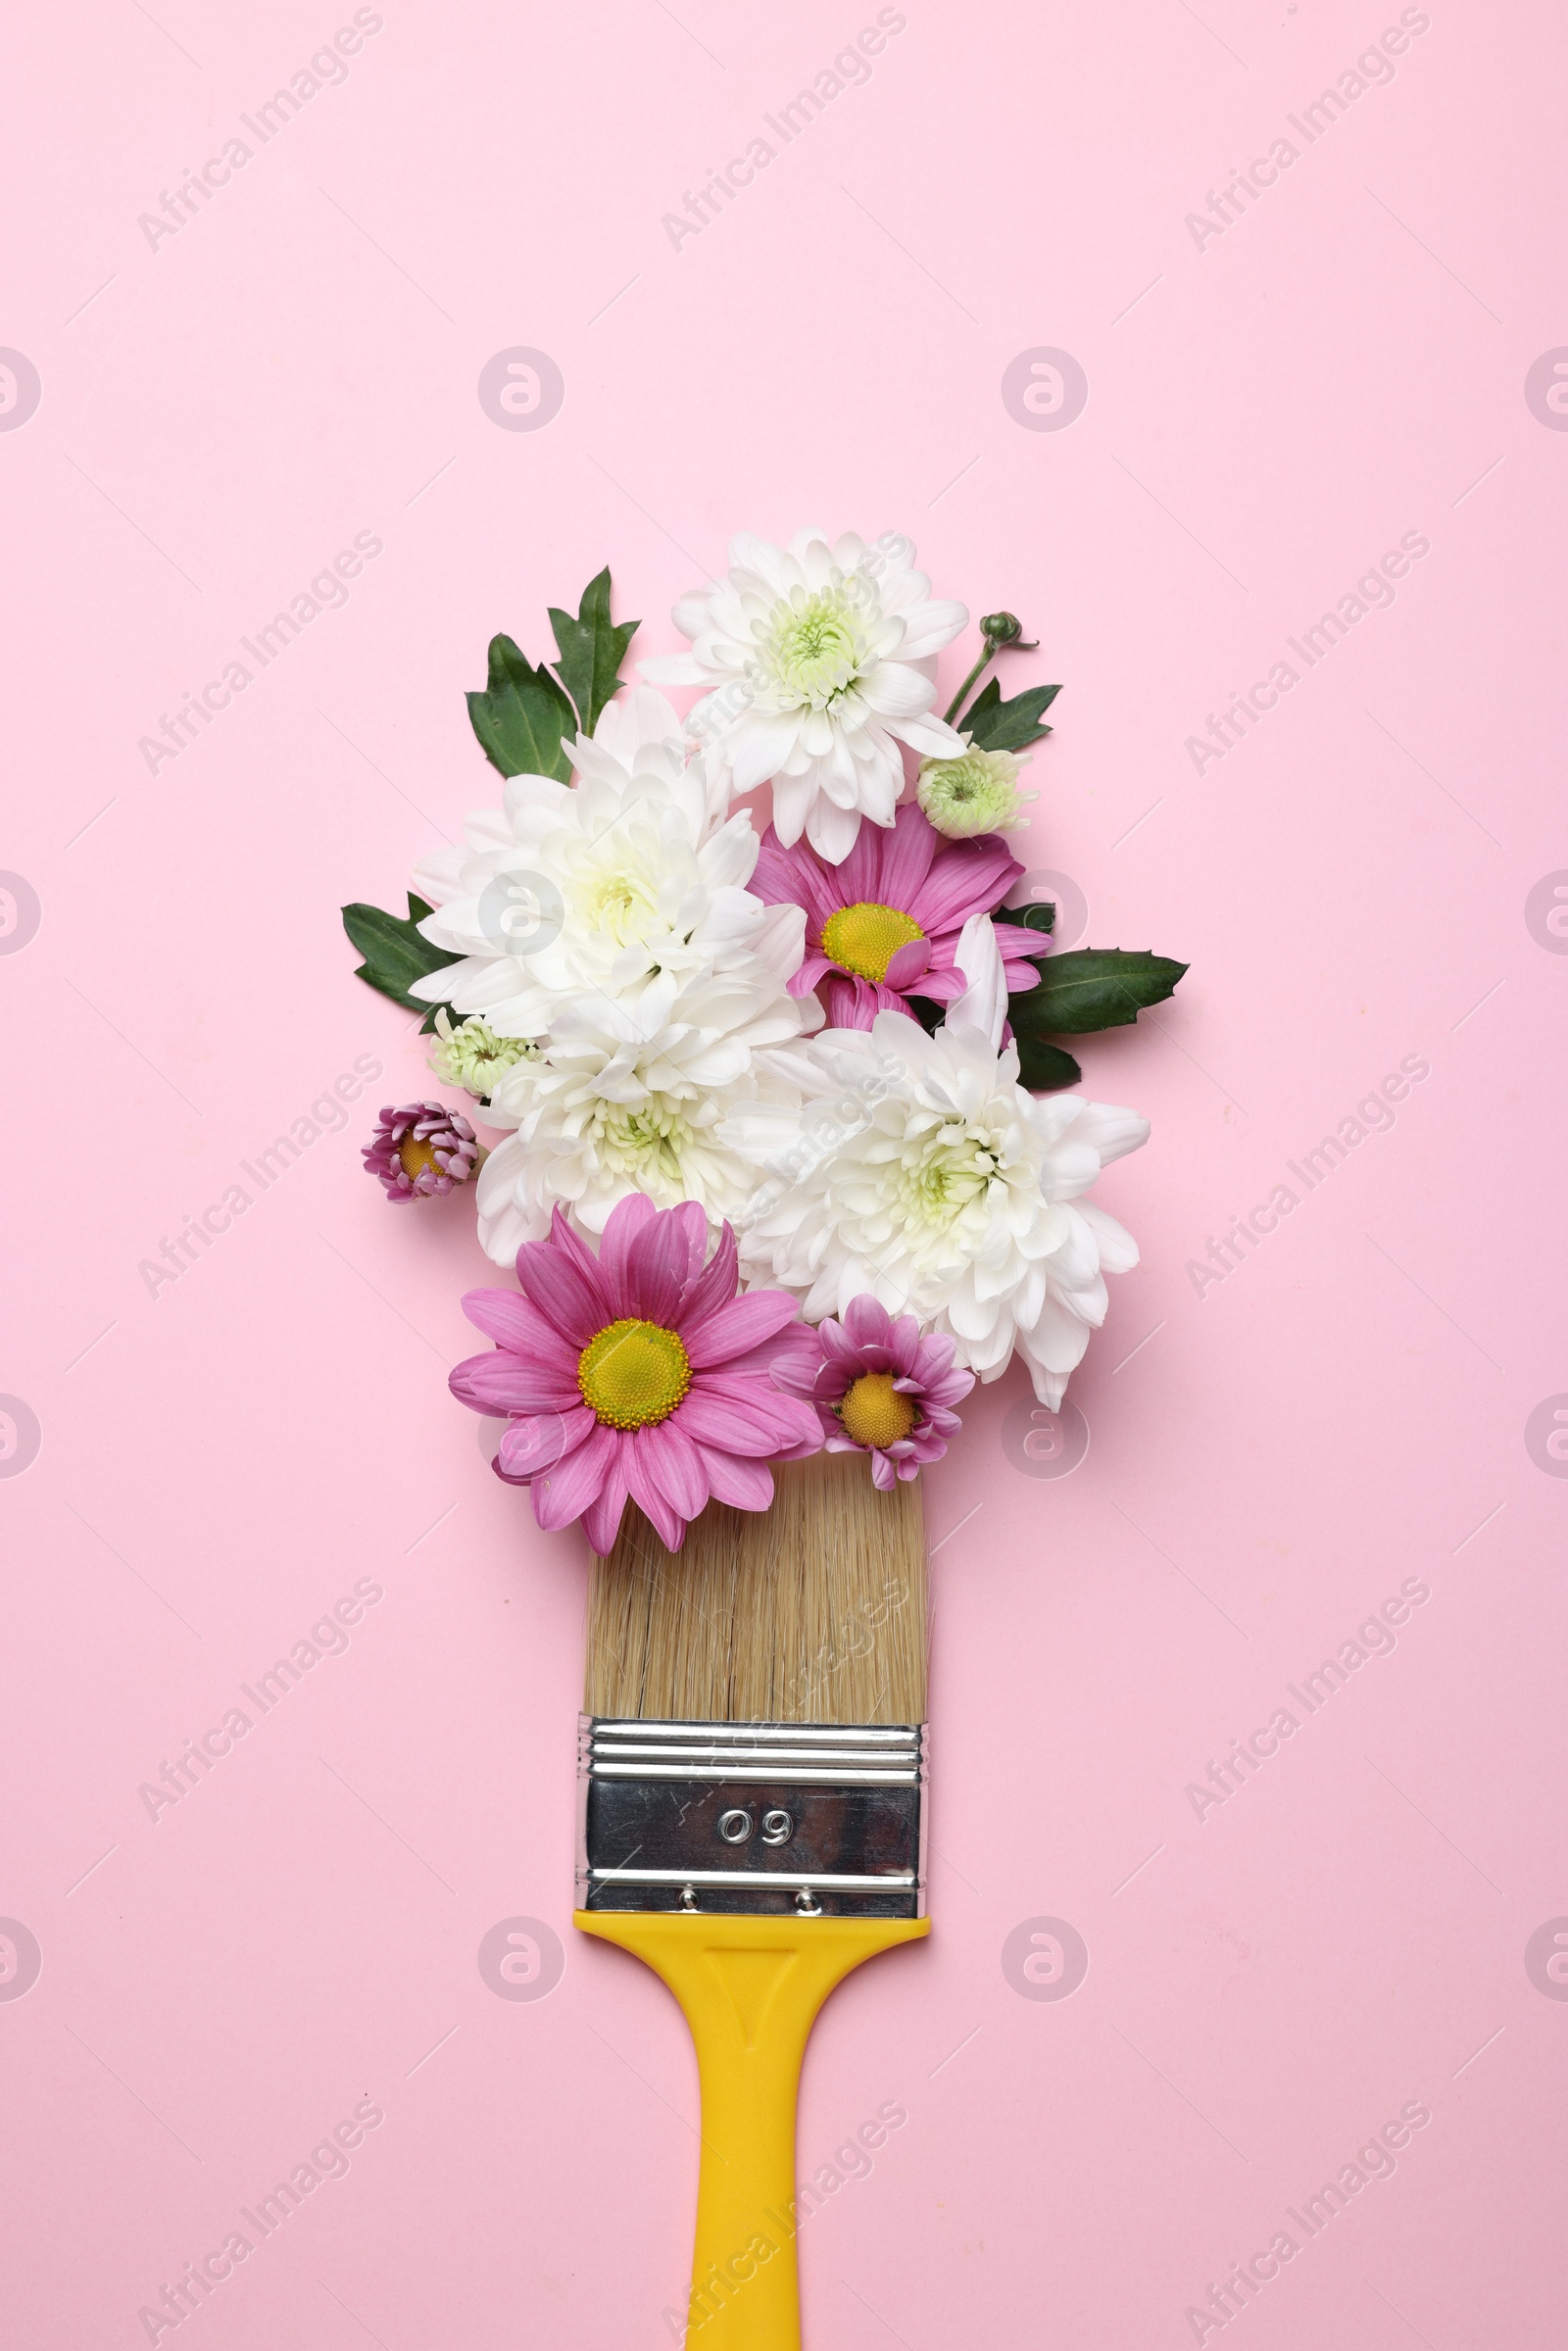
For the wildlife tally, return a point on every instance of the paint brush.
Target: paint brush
(752, 1781)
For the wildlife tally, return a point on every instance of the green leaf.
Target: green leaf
(592, 650)
(522, 716)
(395, 955)
(992, 724)
(1094, 988)
(1040, 1067)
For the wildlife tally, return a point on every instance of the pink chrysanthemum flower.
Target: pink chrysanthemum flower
(885, 924)
(422, 1149)
(883, 1389)
(639, 1373)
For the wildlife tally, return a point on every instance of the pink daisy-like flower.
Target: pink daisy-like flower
(885, 924)
(639, 1373)
(883, 1389)
(422, 1149)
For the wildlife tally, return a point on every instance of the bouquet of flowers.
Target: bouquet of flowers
(785, 1152)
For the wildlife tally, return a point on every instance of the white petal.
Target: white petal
(931, 626)
(438, 878)
(762, 748)
(674, 669)
(1112, 1131)
(930, 736)
(982, 1008)
(895, 689)
(832, 831)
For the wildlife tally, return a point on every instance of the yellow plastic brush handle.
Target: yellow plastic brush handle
(750, 1990)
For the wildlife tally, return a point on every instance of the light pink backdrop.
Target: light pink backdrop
(1268, 410)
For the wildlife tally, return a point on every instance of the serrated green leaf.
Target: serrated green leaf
(1094, 988)
(395, 955)
(522, 716)
(591, 649)
(992, 724)
(1038, 916)
(1042, 1067)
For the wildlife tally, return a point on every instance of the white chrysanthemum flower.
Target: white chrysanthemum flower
(929, 1179)
(634, 872)
(628, 1095)
(976, 793)
(819, 661)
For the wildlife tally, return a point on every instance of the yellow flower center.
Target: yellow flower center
(632, 1374)
(865, 937)
(415, 1156)
(873, 1413)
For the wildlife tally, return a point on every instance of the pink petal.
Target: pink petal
(675, 1464)
(816, 968)
(906, 858)
(506, 1317)
(665, 1521)
(883, 1473)
(504, 1383)
(714, 1286)
(906, 967)
(626, 1221)
(744, 1485)
(565, 1493)
(691, 1222)
(1020, 951)
(852, 1003)
(859, 880)
(969, 877)
(810, 1442)
(784, 877)
(762, 1361)
(887, 999)
(942, 984)
(563, 1237)
(571, 1300)
(798, 1344)
(796, 1363)
(659, 1261)
(866, 1321)
(741, 1416)
(837, 1344)
(1020, 978)
(601, 1521)
(743, 1323)
(535, 1443)
(930, 1443)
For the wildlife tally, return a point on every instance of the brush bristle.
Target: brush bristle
(813, 1611)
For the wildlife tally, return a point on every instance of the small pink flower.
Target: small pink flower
(639, 1374)
(885, 924)
(883, 1389)
(422, 1149)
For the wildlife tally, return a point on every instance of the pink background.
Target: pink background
(1268, 1983)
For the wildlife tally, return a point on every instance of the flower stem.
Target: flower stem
(988, 655)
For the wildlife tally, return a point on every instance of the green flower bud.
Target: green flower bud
(473, 1056)
(977, 794)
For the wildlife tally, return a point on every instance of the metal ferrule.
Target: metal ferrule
(817, 1820)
